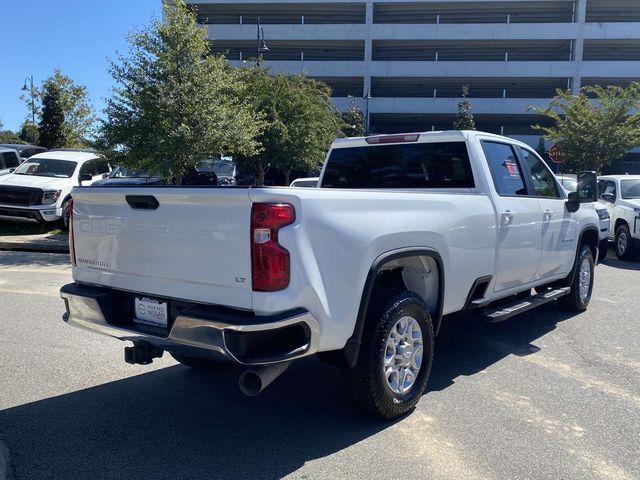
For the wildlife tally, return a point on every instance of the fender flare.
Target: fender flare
(351, 349)
(586, 229)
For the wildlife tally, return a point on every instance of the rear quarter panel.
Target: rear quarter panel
(338, 234)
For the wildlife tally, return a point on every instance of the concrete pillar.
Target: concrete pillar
(368, 47)
(578, 44)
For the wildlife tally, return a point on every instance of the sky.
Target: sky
(76, 36)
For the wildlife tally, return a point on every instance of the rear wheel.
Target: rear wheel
(395, 357)
(197, 363)
(582, 286)
(625, 249)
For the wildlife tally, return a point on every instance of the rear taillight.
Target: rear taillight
(269, 260)
(72, 247)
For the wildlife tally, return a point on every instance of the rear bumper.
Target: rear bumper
(196, 330)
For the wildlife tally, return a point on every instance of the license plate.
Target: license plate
(149, 311)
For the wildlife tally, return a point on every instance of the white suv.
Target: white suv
(621, 195)
(39, 189)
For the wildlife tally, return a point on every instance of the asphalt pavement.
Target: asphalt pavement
(546, 395)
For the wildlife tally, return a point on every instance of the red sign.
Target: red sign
(555, 154)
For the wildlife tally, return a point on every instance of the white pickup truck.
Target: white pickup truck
(404, 230)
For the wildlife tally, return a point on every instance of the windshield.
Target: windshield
(219, 167)
(128, 172)
(630, 189)
(47, 167)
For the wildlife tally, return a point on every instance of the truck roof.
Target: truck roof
(619, 177)
(77, 156)
(442, 135)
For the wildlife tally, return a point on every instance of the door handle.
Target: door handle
(548, 215)
(506, 218)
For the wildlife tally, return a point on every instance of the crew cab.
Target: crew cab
(40, 188)
(402, 231)
(621, 195)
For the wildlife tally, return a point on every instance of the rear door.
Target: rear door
(171, 242)
(519, 229)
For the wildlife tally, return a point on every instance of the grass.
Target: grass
(19, 228)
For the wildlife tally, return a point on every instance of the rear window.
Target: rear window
(416, 165)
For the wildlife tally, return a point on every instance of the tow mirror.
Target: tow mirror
(84, 177)
(587, 191)
(588, 187)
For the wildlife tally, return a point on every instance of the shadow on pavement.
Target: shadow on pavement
(467, 345)
(613, 261)
(15, 259)
(177, 423)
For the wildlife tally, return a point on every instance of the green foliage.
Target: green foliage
(79, 116)
(353, 120)
(29, 133)
(592, 134)
(51, 131)
(7, 136)
(464, 119)
(301, 122)
(175, 104)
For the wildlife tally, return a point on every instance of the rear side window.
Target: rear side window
(416, 165)
(503, 164)
(10, 160)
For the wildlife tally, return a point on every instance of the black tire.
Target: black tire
(603, 249)
(575, 301)
(64, 221)
(197, 363)
(624, 245)
(371, 388)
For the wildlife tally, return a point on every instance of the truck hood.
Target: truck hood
(50, 183)
(631, 203)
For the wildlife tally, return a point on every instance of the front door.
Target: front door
(519, 225)
(559, 227)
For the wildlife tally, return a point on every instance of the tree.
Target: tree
(174, 103)
(301, 122)
(8, 136)
(464, 119)
(51, 130)
(353, 119)
(29, 133)
(79, 116)
(592, 134)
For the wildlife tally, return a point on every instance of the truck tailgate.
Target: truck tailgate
(195, 245)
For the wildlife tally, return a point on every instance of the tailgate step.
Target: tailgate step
(520, 306)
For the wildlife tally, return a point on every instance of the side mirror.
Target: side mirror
(11, 170)
(587, 187)
(573, 203)
(84, 177)
(608, 197)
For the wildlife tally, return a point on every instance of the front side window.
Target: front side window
(10, 160)
(89, 168)
(607, 187)
(47, 167)
(630, 189)
(542, 180)
(415, 165)
(503, 164)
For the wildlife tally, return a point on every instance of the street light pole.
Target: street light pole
(366, 98)
(33, 105)
(261, 46)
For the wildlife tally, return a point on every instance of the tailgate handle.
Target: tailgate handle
(142, 202)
